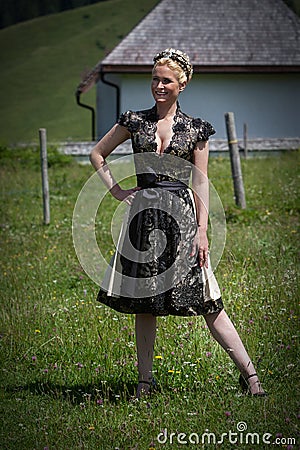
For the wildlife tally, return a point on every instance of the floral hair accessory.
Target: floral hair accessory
(181, 58)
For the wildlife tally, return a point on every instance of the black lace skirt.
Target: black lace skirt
(152, 270)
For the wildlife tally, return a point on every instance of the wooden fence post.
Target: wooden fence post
(44, 169)
(238, 185)
(245, 140)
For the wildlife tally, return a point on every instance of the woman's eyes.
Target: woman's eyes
(164, 81)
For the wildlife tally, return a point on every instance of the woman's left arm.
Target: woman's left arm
(200, 186)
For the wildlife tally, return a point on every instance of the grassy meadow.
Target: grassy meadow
(68, 364)
(43, 61)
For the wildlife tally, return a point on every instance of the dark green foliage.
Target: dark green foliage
(294, 5)
(15, 11)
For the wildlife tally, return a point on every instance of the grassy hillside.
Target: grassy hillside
(42, 62)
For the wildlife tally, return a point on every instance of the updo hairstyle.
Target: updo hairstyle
(177, 61)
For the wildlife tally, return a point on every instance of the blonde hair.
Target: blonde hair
(177, 61)
(174, 66)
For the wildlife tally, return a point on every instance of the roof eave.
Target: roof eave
(92, 78)
(251, 68)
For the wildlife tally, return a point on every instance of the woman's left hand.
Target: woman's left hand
(200, 245)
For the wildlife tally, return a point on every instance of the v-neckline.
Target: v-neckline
(172, 135)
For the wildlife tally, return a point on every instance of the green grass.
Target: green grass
(68, 364)
(42, 62)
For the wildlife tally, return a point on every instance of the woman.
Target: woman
(162, 133)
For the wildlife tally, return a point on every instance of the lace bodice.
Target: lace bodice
(186, 132)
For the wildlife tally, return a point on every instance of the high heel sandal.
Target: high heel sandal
(245, 385)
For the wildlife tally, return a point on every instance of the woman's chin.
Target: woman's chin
(160, 99)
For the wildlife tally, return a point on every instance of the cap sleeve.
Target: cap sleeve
(126, 119)
(204, 130)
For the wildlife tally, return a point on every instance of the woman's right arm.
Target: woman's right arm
(101, 151)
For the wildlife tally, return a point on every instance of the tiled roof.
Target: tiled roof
(215, 32)
(218, 35)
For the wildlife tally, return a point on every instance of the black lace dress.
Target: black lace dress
(152, 270)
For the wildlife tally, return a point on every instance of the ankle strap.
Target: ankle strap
(253, 375)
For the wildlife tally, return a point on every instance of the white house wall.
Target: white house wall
(268, 103)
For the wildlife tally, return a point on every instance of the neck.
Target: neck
(165, 111)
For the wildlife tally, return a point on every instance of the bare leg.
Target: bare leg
(226, 335)
(145, 332)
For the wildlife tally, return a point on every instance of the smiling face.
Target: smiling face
(165, 86)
